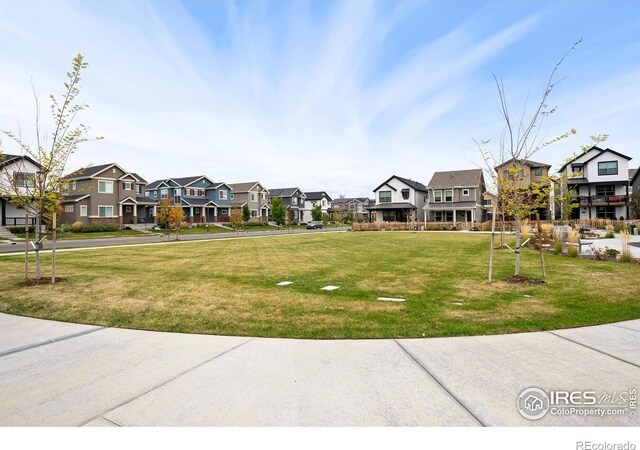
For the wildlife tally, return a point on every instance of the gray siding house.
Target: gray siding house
(312, 198)
(106, 194)
(456, 196)
(255, 196)
(293, 198)
(399, 199)
(357, 207)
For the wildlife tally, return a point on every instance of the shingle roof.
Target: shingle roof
(145, 200)
(73, 198)
(242, 187)
(282, 192)
(451, 205)
(154, 184)
(317, 195)
(454, 178)
(403, 205)
(197, 201)
(187, 180)
(345, 200)
(142, 180)
(88, 171)
(632, 173)
(414, 184)
(526, 162)
(6, 158)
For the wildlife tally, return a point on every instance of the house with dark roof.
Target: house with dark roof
(600, 179)
(293, 199)
(357, 208)
(315, 198)
(106, 193)
(456, 196)
(202, 200)
(524, 173)
(399, 199)
(17, 177)
(255, 196)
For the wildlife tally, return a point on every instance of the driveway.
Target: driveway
(54, 373)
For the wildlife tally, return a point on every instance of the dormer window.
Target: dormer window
(405, 194)
(465, 192)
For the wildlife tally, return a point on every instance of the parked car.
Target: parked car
(315, 225)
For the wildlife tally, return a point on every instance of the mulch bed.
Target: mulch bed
(519, 279)
(44, 280)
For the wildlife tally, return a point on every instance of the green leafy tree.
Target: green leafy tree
(51, 151)
(325, 219)
(334, 216)
(246, 213)
(316, 212)
(278, 211)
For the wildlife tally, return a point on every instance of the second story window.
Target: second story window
(605, 190)
(65, 189)
(222, 194)
(465, 192)
(448, 195)
(538, 171)
(138, 189)
(105, 187)
(405, 194)
(437, 196)
(253, 197)
(23, 179)
(608, 168)
(384, 196)
(127, 185)
(164, 193)
(294, 200)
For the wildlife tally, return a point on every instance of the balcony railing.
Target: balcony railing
(18, 221)
(602, 199)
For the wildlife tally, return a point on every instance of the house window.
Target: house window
(155, 194)
(437, 196)
(223, 212)
(105, 211)
(448, 195)
(139, 189)
(196, 210)
(294, 200)
(253, 197)
(512, 174)
(385, 197)
(201, 192)
(176, 197)
(128, 209)
(389, 216)
(222, 195)
(606, 212)
(231, 196)
(605, 190)
(164, 193)
(83, 210)
(105, 187)
(465, 192)
(264, 196)
(576, 168)
(65, 189)
(23, 179)
(68, 208)
(324, 202)
(538, 171)
(405, 194)
(73, 186)
(127, 185)
(608, 168)
(254, 213)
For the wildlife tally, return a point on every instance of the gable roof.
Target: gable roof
(6, 159)
(456, 178)
(138, 177)
(597, 152)
(91, 171)
(186, 181)
(317, 195)
(284, 192)
(414, 184)
(244, 187)
(526, 162)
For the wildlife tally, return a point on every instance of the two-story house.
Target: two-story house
(399, 200)
(293, 199)
(600, 179)
(456, 196)
(106, 194)
(255, 196)
(355, 207)
(202, 200)
(315, 198)
(522, 174)
(17, 177)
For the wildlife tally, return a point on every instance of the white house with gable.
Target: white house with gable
(17, 176)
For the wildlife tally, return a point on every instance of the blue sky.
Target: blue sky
(325, 95)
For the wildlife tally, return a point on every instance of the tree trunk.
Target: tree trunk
(38, 233)
(53, 249)
(493, 229)
(26, 246)
(540, 244)
(517, 269)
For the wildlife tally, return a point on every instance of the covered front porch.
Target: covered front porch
(395, 212)
(452, 213)
(136, 211)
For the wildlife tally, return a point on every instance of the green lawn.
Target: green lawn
(229, 287)
(97, 235)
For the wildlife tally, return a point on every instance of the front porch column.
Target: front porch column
(473, 215)
(454, 216)
(135, 214)
(191, 214)
(120, 218)
(155, 213)
(215, 213)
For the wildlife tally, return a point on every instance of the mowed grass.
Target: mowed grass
(229, 287)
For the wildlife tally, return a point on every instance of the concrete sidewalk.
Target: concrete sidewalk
(55, 373)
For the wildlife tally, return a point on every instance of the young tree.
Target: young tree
(278, 211)
(519, 141)
(316, 212)
(172, 216)
(51, 151)
(246, 213)
(291, 217)
(236, 219)
(634, 205)
(325, 219)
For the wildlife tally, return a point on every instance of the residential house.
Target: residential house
(600, 179)
(356, 207)
(293, 199)
(456, 196)
(202, 200)
(254, 195)
(634, 188)
(17, 176)
(312, 198)
(525, 173)
(106, 194)
(399, 200)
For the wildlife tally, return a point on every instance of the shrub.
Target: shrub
(574, 242)
(77, 227)
(20, 229)
(65, 228)
(610, 229)
(626, 257)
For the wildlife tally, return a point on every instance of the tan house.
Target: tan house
(106, 194)
(525, 172)
(255, 196)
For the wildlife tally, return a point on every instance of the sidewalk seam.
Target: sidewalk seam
(594, 349)
(49, 341)
(153, 388)
(626, 328)
(440, 383)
